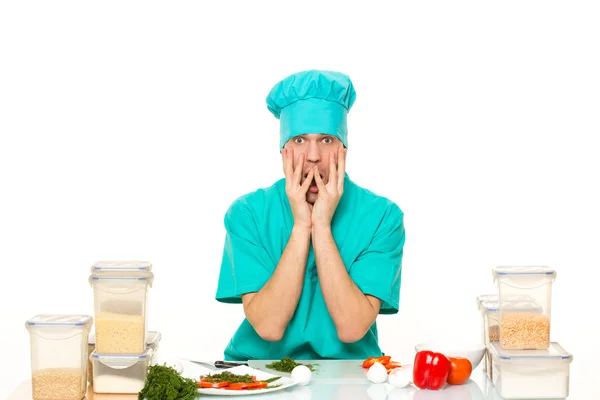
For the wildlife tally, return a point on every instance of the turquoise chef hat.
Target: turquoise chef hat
(314, 101)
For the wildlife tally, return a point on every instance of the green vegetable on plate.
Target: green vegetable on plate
(287, 364)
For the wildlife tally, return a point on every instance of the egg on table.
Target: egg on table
(377, 373)
(301, 374)
(400, 377)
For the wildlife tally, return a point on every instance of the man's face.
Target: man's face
(316, 149)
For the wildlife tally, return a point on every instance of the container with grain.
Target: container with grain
(120, 306)
(59, 350)
(490, 311)
(524, 329)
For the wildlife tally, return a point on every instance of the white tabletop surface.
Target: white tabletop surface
(479, 387)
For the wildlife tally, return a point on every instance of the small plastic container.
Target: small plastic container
(531, 374)
(490, 311)
(522, 329)
(152, 342)
(58, 345)
(118, 373)
(120, 306)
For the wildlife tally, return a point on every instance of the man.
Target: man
(314, 258)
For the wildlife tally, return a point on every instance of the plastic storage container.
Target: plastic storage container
(490, 312)
(152, 342)
(58, 346)
(531, 374)
(488, 308)
(523, 330)
(120, 306)
(120, 373)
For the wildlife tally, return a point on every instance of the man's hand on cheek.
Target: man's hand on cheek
(329, 194)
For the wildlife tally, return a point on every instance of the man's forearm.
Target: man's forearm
(350, 309)
(270, 309)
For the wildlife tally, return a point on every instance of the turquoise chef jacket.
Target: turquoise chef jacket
(369, 232)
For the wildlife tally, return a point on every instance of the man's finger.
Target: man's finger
(299, 169)
(287, 163)
(319, 181)
(333, 176)
(341, 168)
(307, 182)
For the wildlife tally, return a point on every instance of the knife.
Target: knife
(218, 363)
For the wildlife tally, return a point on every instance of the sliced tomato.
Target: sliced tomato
(368, 363)
(391, 365)
(213, 385)
(258, 385)
(239, 386)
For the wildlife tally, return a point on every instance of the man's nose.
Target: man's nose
(313, 154)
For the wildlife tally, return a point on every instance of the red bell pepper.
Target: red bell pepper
(430, 370)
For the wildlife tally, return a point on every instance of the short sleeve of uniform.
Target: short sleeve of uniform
(378, 270)
(246, 265)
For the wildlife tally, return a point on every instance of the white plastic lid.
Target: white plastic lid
(512, 306)
(554, 352)
(122, 266)
(120, 361)
(485, 297)
(123, 278)
(525, 270)
(59, 321)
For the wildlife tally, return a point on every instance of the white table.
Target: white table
(477, 388)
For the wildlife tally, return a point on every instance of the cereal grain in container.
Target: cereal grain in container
(522, 329)
(58, 347)
(120, 306)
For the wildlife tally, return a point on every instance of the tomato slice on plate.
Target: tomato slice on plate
(239, 386)
(258, 385)
(368, 363)
(213, 385)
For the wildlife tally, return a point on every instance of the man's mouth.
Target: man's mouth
(313, 184)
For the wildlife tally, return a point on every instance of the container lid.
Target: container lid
(59, 321)
(122, 278)
(554, 352)
(120, 361)
(512, 306)
(485, 297)
(122, 266)
(524, 270)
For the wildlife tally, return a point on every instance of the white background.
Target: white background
(119, 120)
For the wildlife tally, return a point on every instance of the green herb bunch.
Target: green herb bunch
(165, 383)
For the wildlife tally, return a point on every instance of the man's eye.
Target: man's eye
(327, 140)
(299, 140)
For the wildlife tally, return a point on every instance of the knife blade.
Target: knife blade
(218, 364)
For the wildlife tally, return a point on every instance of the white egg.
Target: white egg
(377, 373)
(301, 374)
(400, 377)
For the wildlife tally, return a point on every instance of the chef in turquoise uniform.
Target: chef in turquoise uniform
(314, 258)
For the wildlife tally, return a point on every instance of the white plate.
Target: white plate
(285, 382)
